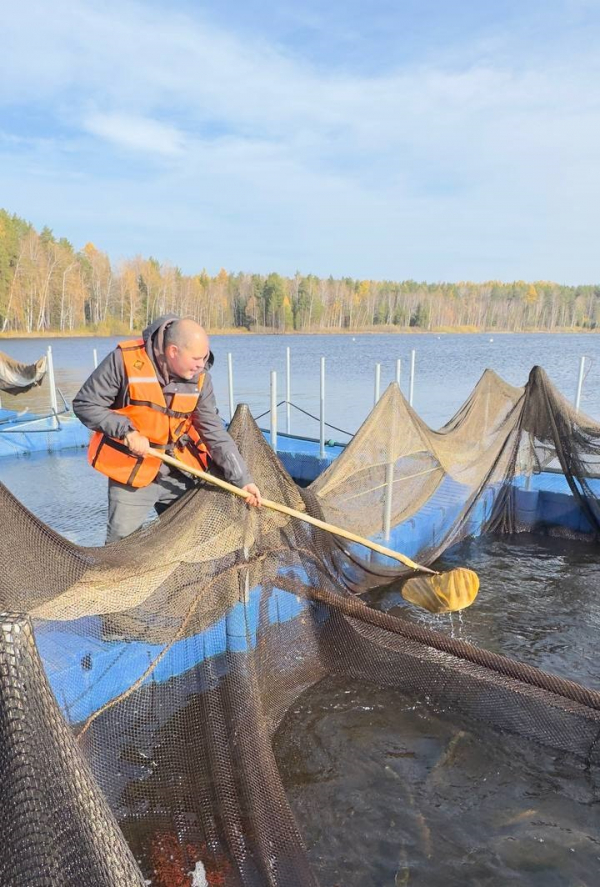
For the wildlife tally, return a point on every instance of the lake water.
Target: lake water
(447, 369)
(388, 792)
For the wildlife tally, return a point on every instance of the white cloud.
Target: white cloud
(474, 169)
(136, 133)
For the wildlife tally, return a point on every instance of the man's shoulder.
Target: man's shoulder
(112, 366)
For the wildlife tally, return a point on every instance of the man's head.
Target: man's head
(186, 348)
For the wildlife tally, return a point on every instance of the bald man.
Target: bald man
(156, 391)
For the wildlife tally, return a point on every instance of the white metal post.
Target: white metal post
(274, 410)
(288, 391)
(389, 493)
(579, 383)
(411, 389)
(95, 358)
(377, 382)
(52, 383)
(389, 476)
(230, 384)
(322, 412)
(398, 371)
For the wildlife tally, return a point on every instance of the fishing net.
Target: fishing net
(16, 378)
(174, 655)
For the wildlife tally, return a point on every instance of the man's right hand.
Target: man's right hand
(137, 443)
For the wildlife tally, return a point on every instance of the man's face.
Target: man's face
(189, 361)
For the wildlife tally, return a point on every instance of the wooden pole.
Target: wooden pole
(291, 512)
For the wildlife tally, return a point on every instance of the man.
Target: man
(156, 391)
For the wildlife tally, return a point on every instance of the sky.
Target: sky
(437, 140)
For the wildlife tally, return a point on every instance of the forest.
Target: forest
(46, 285)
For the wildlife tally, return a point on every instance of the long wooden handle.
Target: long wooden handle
(284, 509)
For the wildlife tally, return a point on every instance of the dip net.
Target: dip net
(141, 684)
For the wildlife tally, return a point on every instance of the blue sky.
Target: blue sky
(426, 139)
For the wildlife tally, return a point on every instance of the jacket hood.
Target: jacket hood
(156, 325)
(154, 341)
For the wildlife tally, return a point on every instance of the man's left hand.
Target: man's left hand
(254, 498)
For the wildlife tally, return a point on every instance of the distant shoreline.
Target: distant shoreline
(236, 331)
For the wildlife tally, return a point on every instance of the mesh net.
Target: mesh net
(174, 655)
(16, 378)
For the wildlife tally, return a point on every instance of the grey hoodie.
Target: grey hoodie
(106, 391)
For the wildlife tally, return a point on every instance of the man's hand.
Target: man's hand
(137, 443)
(254, 498)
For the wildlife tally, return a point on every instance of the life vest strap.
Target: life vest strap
(174, 414)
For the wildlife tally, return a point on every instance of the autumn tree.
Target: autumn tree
(45, 284)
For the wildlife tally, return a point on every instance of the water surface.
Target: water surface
(447, 369)
(388, 792)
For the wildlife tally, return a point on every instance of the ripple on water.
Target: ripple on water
(538, 602)
(388, 792)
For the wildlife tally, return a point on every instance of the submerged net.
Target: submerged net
(175, 654)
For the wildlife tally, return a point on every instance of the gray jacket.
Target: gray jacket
(106, 391)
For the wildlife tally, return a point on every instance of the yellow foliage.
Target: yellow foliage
(532, 294)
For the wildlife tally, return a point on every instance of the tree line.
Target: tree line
(46, 285)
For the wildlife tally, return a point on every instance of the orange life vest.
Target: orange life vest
(164, 426)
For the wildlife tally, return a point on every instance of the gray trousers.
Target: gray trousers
(128, 507)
